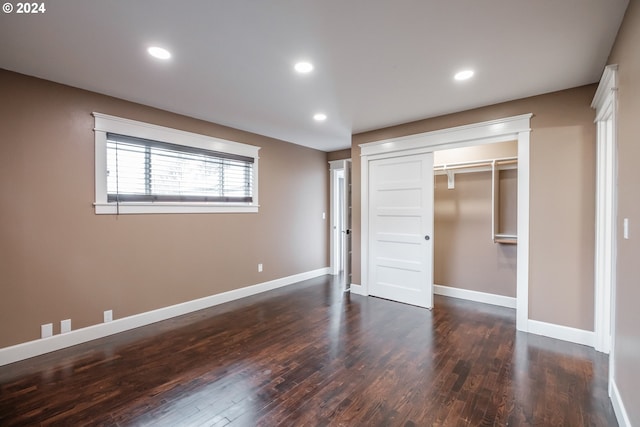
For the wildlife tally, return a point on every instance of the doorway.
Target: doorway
(475, 223)
(340, 227)
(508, 129)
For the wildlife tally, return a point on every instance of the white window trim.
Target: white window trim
(105, 123)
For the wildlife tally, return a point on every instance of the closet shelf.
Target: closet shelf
(506, 239)
(477, 165)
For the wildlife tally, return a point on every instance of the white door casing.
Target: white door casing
(340, 218)
(346, 232)
(401, 227)
(507, 129)
(604, 102)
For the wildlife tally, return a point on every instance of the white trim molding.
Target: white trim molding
(604, 99)
(358, 290)
(483, 297)
(604, 102)
(618, 406)
(564, 333)
(45, 345)
(334, 167)
(501, 130)
(110, 124)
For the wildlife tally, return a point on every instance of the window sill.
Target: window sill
(171, 208)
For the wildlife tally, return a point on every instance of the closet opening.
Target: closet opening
(475, 223)
(391, 167)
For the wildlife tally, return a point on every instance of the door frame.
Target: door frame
(335, 166)
(605, 103)
(493, 131)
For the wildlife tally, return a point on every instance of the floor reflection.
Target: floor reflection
(311, 354)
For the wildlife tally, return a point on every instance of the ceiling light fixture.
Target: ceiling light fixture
(464, 75)
(303, 67)
(158, 52)
(320, 117)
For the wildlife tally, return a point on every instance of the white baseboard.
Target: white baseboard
(476, 296)
(358, 290)
(618, 406)
(565, 333)
(35, 348)
(550, 330)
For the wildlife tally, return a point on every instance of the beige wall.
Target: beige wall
(59, 260)
(626, 53)
(465, 255)
(562, 186)
(339, 155)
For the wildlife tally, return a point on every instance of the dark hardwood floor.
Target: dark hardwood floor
(309, 355)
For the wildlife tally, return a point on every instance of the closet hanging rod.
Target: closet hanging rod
(476, 163)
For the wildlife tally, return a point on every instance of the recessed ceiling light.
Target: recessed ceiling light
(320, 117)
(463, 75)
(158, 52)
(303, 67)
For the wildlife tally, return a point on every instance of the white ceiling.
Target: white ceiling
(377, 62)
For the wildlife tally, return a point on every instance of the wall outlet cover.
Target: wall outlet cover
(46, 331)
(65, 326)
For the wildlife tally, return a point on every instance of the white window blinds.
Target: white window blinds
(141, 170)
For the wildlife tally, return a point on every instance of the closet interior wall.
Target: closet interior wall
(465, 255)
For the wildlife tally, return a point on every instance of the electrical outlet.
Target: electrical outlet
(108, 316)
(65, 326)
(259, 268)
(46, 331)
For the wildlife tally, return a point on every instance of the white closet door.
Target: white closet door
(401, 229)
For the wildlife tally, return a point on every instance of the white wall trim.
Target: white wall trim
(602, 98)
(358, 290)
(38, 347)
(483, 297)
(564, 333)
(492, 131)
(604, 102)
(105, 124)
(173, 208)
(522, 255)
(618, 405)
(506, 129)
(335, 166)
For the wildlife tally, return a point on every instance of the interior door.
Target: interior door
(401, 229)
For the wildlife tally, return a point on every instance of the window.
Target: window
(142, 168)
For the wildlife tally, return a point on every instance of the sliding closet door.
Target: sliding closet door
(401, 229)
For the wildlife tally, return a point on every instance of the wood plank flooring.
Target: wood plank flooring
(310, 355)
